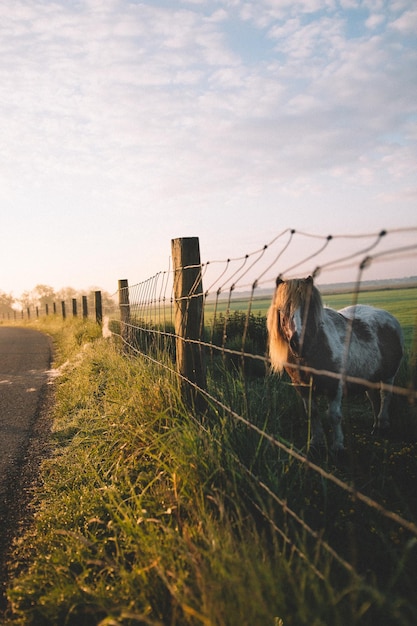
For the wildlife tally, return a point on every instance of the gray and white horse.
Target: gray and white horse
(359, 342)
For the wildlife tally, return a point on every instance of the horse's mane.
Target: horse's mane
(290, 295)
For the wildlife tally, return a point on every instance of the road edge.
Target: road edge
(22, 481)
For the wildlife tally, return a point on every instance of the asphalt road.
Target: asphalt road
(25, 358)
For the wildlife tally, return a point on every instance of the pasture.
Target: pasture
(402, 303)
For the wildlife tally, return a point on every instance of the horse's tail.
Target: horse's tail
(277, 346)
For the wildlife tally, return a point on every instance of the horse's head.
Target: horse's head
(293, 318)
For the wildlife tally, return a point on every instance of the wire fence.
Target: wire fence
(87, 306)
(210, 332)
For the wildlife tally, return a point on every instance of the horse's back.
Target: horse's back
(376, 318)
(369, 321)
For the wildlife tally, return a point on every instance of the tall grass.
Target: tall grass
(145, 515)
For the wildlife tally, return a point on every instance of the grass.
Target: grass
(401, 302)
(146, 515)
(394, 300)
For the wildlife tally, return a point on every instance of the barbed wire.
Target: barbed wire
(236, 281)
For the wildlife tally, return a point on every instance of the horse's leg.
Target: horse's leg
(381, 421)
(375, 400)
(335, 414)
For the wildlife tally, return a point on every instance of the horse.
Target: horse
(321, 349)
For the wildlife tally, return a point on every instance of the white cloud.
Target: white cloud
(129, 107)
(406, 23)
(374, 21)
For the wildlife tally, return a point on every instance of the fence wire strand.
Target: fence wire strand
(248, 280)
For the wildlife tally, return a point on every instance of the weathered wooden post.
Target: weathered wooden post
(124, 309)
(46, 309)
(189, 318)
(98, 307)
(85, 307)
(54, 308)
(74, 307)
(64, 314)
(28, 311)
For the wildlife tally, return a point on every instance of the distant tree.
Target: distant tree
(6, 303)
(43, 294)
(26, 300)
(66, 293)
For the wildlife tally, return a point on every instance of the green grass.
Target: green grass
(146, 514)
(131, 524)
(399, 302)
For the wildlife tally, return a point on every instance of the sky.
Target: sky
(125, 124)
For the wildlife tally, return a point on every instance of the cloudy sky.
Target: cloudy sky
(127, 123)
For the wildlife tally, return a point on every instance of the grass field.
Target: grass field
(148, 513)
(402, 303)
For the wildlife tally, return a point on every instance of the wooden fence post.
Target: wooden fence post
(85, 307)
(46, 308)
(98, 307)
(124, 309)
(189, 317)
(74, 307)
(64, 314)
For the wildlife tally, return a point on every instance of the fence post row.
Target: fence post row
(98, 307)
(124, 306)
(84, 306)
(74, 304)
(189, 316)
